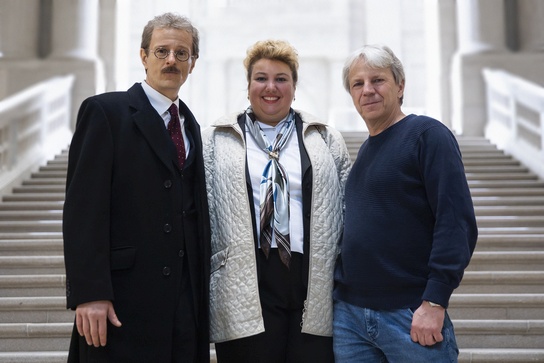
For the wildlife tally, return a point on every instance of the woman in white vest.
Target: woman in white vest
(275, 182)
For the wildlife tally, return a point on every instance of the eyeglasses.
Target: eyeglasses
(163, 53)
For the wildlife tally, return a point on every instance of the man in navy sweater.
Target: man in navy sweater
(410, 228)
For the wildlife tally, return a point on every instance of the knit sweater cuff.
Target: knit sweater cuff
(438, 293)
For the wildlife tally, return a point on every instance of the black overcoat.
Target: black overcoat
(122, 223)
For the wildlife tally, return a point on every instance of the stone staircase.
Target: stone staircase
(498, 310)
(34, 323)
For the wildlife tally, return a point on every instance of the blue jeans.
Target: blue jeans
(363, 335)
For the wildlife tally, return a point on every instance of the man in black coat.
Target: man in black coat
(136, 226)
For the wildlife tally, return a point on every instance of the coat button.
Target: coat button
(168, 184)
(166, 271)
(167, 228)
(181, 253)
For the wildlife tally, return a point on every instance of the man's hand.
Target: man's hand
(91, 321)
(427, 324)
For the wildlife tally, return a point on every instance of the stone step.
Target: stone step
(48, 175)
(500, 355)
(35, 309)
(487, 306)
(32, 205)
(31, 226)
(49, 357)
(510, 242)
(30, 235)
(506, 184)
(499, 333)
(485, 154)
(507, 200)
(505, 192)
(26, 246)
(513, 210)
(510, 230)
(27, 337)
(34, 197)
(501, 176)
(499, 282)
(54, 167)
(49, 181)
(507, 261)
(496, 169)
(492, 163)
(509, 221)
(32, 285)
(28, 215)
(27, 265)
(34, 357)
(39, 189)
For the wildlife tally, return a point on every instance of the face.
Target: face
(271, 90)
(375, 95)
(167, 75)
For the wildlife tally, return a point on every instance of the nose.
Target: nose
(270, 85)
(368, 87)
(171, 57)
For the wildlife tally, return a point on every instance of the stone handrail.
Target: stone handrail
(515, 117)
(34, 125)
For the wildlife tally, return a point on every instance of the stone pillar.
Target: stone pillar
(531, 25)
(18, 49)
(440, 47)
(21, 44)
(480, 26)
(74, 48)
(481, 40)
(75, 29)
(107, 42)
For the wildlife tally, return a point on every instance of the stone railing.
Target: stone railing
(34, 125)
(515, 117)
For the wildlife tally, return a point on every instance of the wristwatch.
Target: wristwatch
(434, 305)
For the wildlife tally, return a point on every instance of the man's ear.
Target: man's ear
(193, 62)
(401, 89)
(143, 57)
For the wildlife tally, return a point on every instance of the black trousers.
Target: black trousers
(282, 292)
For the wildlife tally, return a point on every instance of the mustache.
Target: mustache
(170, 69)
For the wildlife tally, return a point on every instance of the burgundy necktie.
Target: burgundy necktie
(174, 129)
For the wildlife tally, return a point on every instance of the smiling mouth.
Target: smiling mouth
(270, 98)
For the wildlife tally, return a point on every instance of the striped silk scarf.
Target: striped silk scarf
(274, 188)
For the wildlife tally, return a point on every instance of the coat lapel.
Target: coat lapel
(152, 127)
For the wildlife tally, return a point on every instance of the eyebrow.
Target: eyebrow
(181, 47)
(277, 74)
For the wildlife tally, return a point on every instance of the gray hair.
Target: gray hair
(167, 21)
(376, 56)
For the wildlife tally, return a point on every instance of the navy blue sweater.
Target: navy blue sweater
(410, 228)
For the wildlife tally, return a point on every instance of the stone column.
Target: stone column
(480, 26)
(440, 36)
(531, 25)
(18, 45)
(75, 29)
(481, 42)
(74, 48)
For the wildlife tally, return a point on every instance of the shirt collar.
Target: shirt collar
(160, 102)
